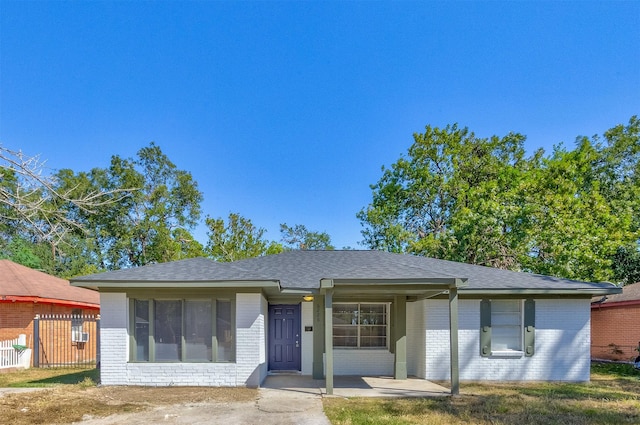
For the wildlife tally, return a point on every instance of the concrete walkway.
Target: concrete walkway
(6, 390)
(294, 399)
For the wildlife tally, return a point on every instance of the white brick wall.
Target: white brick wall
(114, 340)
(250, 368)
(562, 354)
(362, 362)
(182, 374)
(251, 311)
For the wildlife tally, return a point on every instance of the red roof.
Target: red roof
(21, 283)
(630, 295)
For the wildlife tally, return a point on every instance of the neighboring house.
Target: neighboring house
(326, 313)
(615, 325)
(25, 293)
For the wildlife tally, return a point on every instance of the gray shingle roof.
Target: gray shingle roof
(189, 270)
(305, 269)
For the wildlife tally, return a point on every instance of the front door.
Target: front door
(284, 337)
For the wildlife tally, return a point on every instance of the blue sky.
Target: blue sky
(286, 111)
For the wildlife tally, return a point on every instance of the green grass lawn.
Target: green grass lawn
(49, 377)
(612, 397)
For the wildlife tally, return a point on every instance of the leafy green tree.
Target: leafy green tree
(169, 199)
(458, 197)
(188, 246)
(236, 239)
(587, 205)
(619, 169)
(275, 248)
(454, 196)
(299, 237)
(75, 257)
(575, 230)
(158, 206)
(626, 265)
(22, 252)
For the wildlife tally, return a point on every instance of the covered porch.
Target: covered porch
(397, 292)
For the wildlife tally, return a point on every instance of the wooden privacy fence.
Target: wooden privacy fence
(66, 340)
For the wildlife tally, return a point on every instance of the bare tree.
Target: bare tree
(31, 198)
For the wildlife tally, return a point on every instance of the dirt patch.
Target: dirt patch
(64, 405)
(174, 395)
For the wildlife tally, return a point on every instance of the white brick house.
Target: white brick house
(326, 313)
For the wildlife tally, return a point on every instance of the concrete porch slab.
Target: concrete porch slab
(357, 386)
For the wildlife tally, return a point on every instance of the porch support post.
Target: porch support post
(328, 339)
(318, 337)
(400, 337)
(453, 340)
(392, 328)
(36, 341)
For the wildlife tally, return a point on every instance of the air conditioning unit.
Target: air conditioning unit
(79, 336)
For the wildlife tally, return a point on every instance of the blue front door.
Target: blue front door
(284, 337)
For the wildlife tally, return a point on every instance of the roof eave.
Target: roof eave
(214, 284)
(45, 300)
(542, 291)
(612, 304)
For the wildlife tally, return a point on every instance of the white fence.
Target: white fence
(14, 353)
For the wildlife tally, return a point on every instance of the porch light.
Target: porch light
(308, 298)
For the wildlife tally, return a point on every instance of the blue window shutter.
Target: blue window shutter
(485, 328)
(529, 327)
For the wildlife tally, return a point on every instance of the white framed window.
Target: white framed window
(506, 323)
(360, 325)
(507, 327)
(77, 323)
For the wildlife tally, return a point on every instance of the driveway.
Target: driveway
(274, 406)
(287, 413)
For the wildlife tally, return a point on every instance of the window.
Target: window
(167, 330)
(141, 329)
(224, 330)
(506, 324)
(191, 330)
(197, 331)
(507, 327)
(360, 325)
(78, 336)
